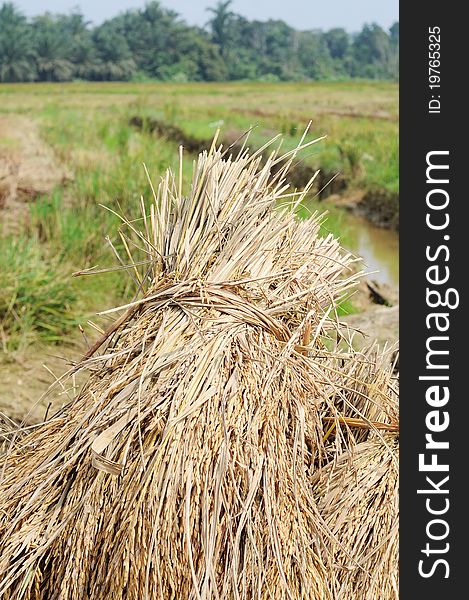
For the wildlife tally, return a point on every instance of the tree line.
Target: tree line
(156, 43)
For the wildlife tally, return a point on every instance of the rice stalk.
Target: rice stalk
(359, 502)
(186, 468)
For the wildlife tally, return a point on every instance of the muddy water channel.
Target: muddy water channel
(378, 247)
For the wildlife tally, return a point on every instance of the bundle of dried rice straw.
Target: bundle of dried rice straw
(220, 448)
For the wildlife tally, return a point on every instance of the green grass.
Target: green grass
(36, 298)
(332, 221)
(87, 125)
(359, 118)
(67, 229)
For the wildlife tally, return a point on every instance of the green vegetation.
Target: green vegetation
(66, 230)
(359, 118)
(36, 299)
(88, 128)
(155, 43)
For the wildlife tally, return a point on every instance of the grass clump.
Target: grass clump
(36, 298)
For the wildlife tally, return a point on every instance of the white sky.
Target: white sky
(302, 14)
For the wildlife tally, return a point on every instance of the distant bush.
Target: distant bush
(269, 77)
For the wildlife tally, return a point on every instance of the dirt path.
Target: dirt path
(24, 379)
(380, 323)
(28, 169)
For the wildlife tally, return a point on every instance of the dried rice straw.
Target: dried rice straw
(185, 467)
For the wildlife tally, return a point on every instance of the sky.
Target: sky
(301, 14)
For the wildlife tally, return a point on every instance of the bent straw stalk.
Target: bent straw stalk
(185, 467)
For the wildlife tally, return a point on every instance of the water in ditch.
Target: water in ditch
(378, 247)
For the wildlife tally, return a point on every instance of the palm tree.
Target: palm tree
(115, 60)
(80, 48)
(220, 24)
(16, 48)
(51, 50)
